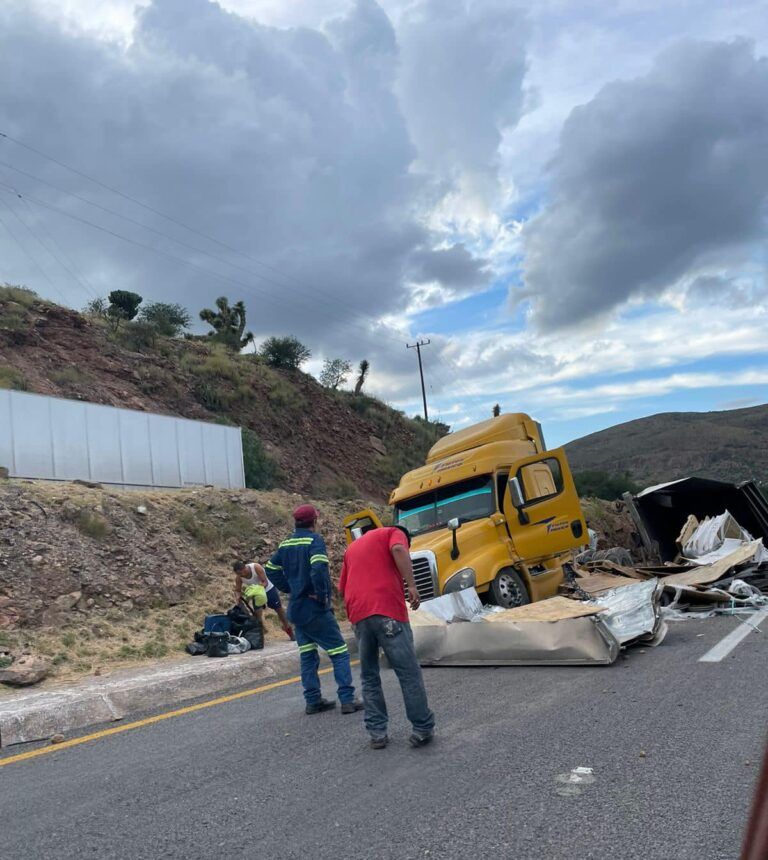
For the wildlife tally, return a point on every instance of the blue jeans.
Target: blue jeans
(396, 640)
(323, 631)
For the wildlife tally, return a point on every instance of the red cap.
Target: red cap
(305, 514)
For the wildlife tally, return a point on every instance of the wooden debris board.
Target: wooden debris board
(553, 609)
(689, 527)
(707, 573)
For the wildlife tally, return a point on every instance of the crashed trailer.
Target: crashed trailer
(660, 512)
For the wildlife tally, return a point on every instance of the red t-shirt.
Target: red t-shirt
(370, 581)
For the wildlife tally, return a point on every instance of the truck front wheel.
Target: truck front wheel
(508, 589)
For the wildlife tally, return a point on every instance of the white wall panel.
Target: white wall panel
(52, 438)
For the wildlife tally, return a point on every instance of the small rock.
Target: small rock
(141, 509)
(92, 484)
(37, 560)
(25, 671)
(747, 763)
(57, 739)
(643, 754)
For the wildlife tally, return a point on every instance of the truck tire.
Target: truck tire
(508, 589)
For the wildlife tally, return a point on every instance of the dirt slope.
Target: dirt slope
(330, 444)
(731, 446)
(91, 578)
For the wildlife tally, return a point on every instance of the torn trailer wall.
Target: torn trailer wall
(661, 512)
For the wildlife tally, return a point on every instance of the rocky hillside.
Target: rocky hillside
(731, 446)
(92, 578)
(303, 437)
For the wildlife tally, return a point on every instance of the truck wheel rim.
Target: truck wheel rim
(509, 591)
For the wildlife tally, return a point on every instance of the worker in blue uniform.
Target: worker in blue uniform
(299, 567)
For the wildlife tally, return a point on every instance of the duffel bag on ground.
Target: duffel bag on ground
(217, 645)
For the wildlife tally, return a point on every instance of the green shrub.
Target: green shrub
(199, 528)
(5, 662)
(12, 378)
(168, 320)
(287, 353)
(219, 365)
(68, 377)
(154, 649)
(208, 395)
(603, 485)
(21, 295)
(260, 469)
(92, 524)
(138, 336)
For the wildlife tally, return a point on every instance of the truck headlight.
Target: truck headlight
(464, 578)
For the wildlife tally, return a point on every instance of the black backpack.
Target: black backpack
(254, 633)
(217, 645)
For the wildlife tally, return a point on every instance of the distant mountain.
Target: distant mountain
(730, 445)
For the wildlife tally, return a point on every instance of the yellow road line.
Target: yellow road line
(148, 721)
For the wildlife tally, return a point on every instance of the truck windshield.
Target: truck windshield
(469, 500)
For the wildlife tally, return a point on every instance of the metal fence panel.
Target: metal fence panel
(31, 430)
(69, 439)
(103, 424)
(52, 438)
(192, 456)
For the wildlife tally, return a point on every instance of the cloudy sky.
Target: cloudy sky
(567, 197)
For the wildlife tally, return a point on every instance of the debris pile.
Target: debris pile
(719, 566)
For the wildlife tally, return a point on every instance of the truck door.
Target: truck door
(550, 519)
(358, 524)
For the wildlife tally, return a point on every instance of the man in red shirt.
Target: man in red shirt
(375, 567)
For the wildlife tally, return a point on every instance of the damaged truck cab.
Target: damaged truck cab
(491, 509)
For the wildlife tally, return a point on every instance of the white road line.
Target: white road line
(729, 642)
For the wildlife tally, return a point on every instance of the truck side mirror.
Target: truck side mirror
(454, 525)
(516, 493)
(518, 500)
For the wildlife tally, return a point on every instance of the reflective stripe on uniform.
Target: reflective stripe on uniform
(273, 566)
(334, 652)
(311, 646)
(297, 541)
(314, 559)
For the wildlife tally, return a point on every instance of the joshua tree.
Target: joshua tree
(362, 375)
(228, 324)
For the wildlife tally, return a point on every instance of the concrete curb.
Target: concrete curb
(38, 715)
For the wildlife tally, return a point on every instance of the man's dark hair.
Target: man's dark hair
(238, 566)
(305, 524)
(405, 531)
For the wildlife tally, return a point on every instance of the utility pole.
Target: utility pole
(417, 346)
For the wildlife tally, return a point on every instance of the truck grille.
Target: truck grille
(423, 575)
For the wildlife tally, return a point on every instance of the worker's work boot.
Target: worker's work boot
(379, 743)
(319, 707)
(351, 707)
(417, 741)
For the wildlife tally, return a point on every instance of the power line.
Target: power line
(28, 254)
(373, 321)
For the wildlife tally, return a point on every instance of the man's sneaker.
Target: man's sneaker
(420, 740)
(319, 707)
(351, 707)
(379, 743)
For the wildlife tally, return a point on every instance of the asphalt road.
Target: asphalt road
(257, 778)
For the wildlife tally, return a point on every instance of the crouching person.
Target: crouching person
(375, 567)
(254, 588)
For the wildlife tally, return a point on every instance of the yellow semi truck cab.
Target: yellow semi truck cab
(491, 508)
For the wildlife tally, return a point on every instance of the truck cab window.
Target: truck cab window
(541, 480)
(501, 487)
(468, 500)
